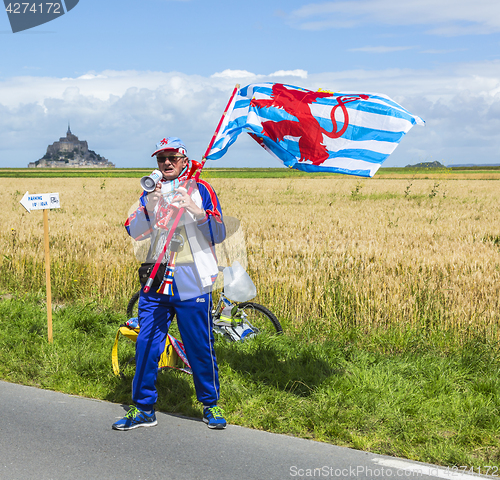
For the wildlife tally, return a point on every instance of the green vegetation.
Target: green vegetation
(261, 173)
(476, 168)
(233, 172)
(445, 172)
(426, 165)
(72, 172)
(424, 396)
(136, 172)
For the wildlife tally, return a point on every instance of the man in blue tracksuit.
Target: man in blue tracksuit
(185, 288)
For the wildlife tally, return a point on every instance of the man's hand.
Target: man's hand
(153, 198)
(181, 200)
(185, 201)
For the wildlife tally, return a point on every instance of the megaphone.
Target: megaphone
(148, 183)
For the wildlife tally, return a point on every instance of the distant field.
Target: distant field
(455, 173)
(73, 172)
(404, 254)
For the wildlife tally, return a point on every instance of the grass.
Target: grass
(421, 396)
(210, 172)
(207, 173)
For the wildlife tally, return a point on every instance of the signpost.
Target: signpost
(44, 201)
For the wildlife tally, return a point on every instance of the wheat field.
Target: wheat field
(398, 254)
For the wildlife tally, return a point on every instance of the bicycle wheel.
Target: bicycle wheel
(133, 311)
(132, 307)
(260, 318)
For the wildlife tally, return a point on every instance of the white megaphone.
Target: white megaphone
(148, 183)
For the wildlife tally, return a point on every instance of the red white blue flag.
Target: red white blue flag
(351, 133)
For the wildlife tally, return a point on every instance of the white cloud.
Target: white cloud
(89, 76)
(289, 73)
(123, 114)
(244, 74)
(233, 74)
(444, 17)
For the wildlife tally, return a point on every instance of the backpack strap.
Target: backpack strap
(174, 349)
(127, 332)
(114, 355)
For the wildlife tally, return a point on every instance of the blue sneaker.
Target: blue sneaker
(135, 418)
(214, 417)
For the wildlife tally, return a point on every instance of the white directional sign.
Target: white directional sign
(44, 201)
(40, 201)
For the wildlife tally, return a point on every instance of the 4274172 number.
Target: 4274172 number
(33, 7)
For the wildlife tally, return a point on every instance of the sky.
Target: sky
(126, 73)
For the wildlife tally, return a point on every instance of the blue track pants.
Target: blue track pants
(194, 319)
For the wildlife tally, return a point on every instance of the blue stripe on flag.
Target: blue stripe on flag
(389, 102)
(241, 103)
(378, 109)
(306, 167)
(290, 150)
(380, 99)
(386, 108)
(353, 132)
(273, 114)
(360, 154)
(356, 133)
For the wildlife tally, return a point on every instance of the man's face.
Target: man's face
(171, 164)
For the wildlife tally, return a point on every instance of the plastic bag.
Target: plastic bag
(238, 285)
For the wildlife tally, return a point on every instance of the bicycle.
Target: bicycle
(234, 321)
(231, 320)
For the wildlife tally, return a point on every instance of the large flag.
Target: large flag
(350, 133)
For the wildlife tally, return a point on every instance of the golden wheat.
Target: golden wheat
(391, 253)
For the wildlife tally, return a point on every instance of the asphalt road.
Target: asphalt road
(47, 435)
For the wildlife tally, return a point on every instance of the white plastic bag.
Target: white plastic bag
(238, 285)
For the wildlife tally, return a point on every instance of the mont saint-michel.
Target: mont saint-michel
(69, 152)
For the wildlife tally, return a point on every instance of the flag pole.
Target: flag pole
(210, 145)
(196, 171)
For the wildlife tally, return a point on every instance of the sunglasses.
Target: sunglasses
(172, 158)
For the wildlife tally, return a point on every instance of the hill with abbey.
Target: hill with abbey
(70, 152)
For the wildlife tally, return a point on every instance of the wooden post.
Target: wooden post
(47, 272)
(44, 201)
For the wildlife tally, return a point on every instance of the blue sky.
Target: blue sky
(126, 74)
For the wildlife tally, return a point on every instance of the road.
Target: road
(47, 435)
